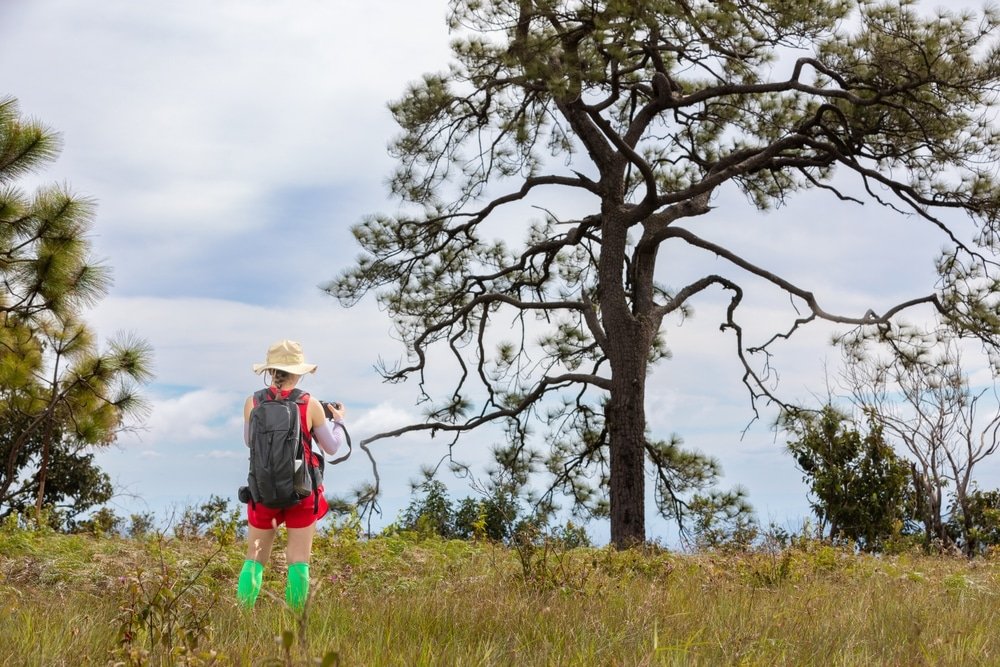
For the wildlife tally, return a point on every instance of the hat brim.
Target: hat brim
(294, 369)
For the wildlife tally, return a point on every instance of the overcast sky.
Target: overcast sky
(231, 145)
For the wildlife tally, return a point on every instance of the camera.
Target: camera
(243, 494)
(328, 404)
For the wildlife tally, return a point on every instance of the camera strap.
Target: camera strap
(347, 437)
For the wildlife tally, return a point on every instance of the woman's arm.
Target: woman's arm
(329, 437)
(247, 407)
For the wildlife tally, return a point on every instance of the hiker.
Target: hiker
(283, 368)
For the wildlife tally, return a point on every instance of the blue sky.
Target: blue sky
(231, 145)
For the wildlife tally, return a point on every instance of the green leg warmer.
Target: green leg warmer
(251, 578)
(297, 588)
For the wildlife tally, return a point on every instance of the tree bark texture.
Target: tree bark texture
(629, 336)
(626, 422)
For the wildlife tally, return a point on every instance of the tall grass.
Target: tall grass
(398, 600)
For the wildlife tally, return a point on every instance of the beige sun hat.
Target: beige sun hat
(285, 355)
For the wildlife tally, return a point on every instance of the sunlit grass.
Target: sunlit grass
(403, 601)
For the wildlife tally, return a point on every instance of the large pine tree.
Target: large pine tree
(644, 112)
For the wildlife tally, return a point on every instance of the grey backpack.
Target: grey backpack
(280, 471)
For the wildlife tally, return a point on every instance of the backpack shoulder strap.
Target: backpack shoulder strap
(260, 396)
(302, 398)
(265, 394)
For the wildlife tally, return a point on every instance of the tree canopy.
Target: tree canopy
(858, 483)
(60, 395)
(643, 113)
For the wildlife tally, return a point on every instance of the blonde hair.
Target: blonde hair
(280, 378)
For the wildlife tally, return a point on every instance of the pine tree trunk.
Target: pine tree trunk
(43, 471)
(626, 422)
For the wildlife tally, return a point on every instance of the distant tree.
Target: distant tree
(141, 524)
(722, 520)
(976, 524)
(59, 396)
(103, 522)
(492, 517)
(858, 485)
(213, 515)
(921, 396)
(430, 511)
(640, 114)
(497, 515)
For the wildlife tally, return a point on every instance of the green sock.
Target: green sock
(297, 588)
(251, 578)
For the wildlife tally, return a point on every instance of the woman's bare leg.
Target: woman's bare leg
(259, 543)
(298, 553)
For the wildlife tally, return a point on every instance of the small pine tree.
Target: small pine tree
(59, 394)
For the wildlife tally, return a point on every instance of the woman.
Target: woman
(284, 366)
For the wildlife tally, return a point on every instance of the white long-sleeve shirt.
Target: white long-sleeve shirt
(328, 436)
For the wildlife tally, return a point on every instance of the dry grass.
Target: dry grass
(64, 600)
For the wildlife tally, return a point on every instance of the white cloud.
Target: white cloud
(188, 101)
(197, 126)
(196, 416)
(384, 417)
(214, 343)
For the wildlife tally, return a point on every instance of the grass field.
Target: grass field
(399, 600)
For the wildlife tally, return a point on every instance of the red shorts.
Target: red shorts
(303, 515)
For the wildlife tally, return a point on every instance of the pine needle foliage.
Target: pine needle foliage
(60, 395)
